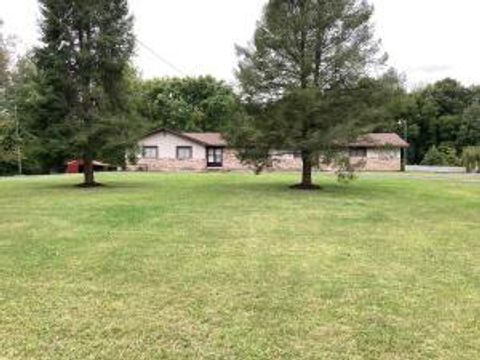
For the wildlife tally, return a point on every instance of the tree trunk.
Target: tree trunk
(306, 170)
(88, 173)
(307, 166)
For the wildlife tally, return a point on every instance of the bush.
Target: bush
(444, 155)
(450, 155)
(434, 157)
(471, 158)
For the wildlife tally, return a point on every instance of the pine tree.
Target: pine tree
(82, 66)
(311, 58)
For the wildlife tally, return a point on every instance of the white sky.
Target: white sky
(426, 39)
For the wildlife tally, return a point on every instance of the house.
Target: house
(167, 150)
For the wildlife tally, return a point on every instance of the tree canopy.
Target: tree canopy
(443, 114)
(7, 125)
(84, 113)
(188, 104)
(307, 72)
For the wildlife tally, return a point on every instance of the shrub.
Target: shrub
(471, 158)
(444, 155)
(434, 157)
(450, 155)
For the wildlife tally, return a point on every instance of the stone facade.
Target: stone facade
(231, 161)
(285, 162)
(375, 161)
(168, 165)
(166, 144)
(383, 160)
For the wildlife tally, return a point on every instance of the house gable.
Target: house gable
(167, 143)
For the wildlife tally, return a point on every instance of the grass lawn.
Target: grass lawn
(233, 266)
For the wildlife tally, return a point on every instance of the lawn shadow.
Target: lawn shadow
(269, 186)
(104, 186)
(327, 188)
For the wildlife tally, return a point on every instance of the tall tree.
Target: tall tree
(7, 126)
(469, 133)
(86, 53)
(311, 57)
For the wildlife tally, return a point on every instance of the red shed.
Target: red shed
(76, 166)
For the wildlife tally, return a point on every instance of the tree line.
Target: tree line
(440, 120)
(304, 84)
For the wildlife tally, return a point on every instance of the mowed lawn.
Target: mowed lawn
(233, 266)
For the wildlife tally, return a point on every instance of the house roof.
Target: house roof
(373, 140)
(206, 139)
(380, 140)
(212, 139)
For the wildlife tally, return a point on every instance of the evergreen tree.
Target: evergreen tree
(311, 58)
(434, 157)
(85, 110)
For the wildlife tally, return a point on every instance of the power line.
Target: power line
(162, 59)
(145, 46)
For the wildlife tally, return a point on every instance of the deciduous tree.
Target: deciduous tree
(189, 104)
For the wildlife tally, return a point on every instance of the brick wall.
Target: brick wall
(376, 160)
(384, 160)
(169, 165)
(286, 162)
(231, 161)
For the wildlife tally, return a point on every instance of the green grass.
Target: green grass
(232, 266)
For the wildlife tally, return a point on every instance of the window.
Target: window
(358, 152)
(150, 152)
(215, 157)
(184, 152)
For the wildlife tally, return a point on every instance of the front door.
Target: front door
(214, 157)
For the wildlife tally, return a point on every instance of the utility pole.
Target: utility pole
(19, 147)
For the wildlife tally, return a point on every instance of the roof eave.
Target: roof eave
(179, 134)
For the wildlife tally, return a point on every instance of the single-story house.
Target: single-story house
(167, 150)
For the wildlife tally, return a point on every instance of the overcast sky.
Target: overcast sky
(426, 39)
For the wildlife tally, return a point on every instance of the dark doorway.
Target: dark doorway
(215, 157)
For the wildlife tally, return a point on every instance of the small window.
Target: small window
(184, 152)
(358, 152)
(150, 152)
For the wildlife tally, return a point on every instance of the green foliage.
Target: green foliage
(345, 170)
(442, 113)
(85, 109)
(245, 134)
(469, 134)
(444, 155)
(7, 125)
(450, 155)
(25, 95)
(7, 146)
(200, 104)
(307, 93)
(471, 158)
(4, 60)
(434, 157)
